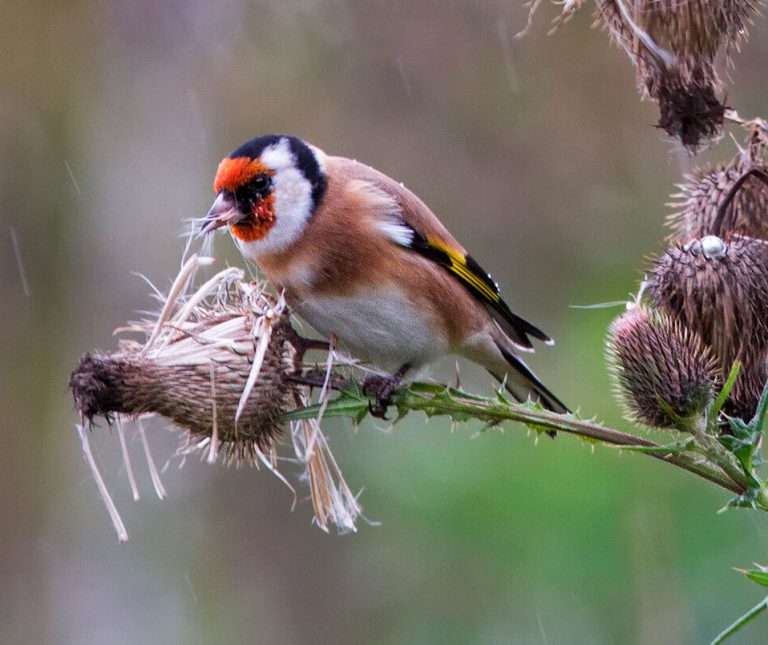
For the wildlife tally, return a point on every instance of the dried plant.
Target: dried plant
(675, 46)
(218, 364)
(666, 376)
(728, 199)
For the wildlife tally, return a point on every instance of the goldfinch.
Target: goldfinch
(361, 258)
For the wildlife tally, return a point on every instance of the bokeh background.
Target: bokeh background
(537, 153)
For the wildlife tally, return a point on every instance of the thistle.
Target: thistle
(201, 397)
(727, 199)
(673, 45)
(719, 290)
(218, 364)
(665, 375)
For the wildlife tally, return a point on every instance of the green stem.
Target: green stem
(494, 412)
(712, 450)
(712, 464)
(742, 621)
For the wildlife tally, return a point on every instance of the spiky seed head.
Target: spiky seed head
(653, 358)
(216, 363)
(722, 297)
(186, 393)
(720, 291)
(673, 45)
(191, 394)
(705, 193)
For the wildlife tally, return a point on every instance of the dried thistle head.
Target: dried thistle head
(202, 397)
(724, 200)
(673, 45)
(218, 363)
(655, 358)
(217, 366)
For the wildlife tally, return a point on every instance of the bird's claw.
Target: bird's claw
(301, 344)
(381, 387)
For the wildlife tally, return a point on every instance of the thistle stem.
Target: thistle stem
(585, 429)
(742, 621)
(708, 463)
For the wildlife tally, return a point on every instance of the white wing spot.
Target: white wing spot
(397, 232)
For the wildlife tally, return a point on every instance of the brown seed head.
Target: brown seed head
(655, 357)
(712, 202)
(673, 44)
(197, 369)
(219, 362)
(123, 383)
(719, 290)
(686, 28)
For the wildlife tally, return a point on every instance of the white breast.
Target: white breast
(379, 325)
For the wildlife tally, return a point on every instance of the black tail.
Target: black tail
(523, 384)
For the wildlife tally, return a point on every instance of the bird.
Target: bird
(363, 260)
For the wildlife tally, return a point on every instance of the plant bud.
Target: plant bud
(673, 45)
(722, 296)
(704, 208)
(656, 358)
(720, 292)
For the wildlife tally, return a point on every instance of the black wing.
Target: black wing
(480, 284)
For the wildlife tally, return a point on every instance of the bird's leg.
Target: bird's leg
(316, 379)
(381, 386)
(301, 344)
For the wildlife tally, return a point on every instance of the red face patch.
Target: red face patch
(233, 173)
(256, 227)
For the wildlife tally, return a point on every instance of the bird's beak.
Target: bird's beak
(222, 213)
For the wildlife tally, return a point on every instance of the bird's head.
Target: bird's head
(267, 190)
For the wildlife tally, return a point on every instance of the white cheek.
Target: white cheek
(293, 207)
(278, 155)
(293, 203)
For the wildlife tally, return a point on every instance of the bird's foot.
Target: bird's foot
(301, 345)
(382, 387)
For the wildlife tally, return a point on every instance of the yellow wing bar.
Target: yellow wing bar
(459, 265)
(470, 274)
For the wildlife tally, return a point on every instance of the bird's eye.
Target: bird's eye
(261, 183)
(256, 189)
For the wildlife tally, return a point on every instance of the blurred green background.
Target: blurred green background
(536, 153)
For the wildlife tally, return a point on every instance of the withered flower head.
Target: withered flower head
(673, 45)
(653, 358)
(728, 199)
(218, 363)
(720, 291)
(196, 370)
